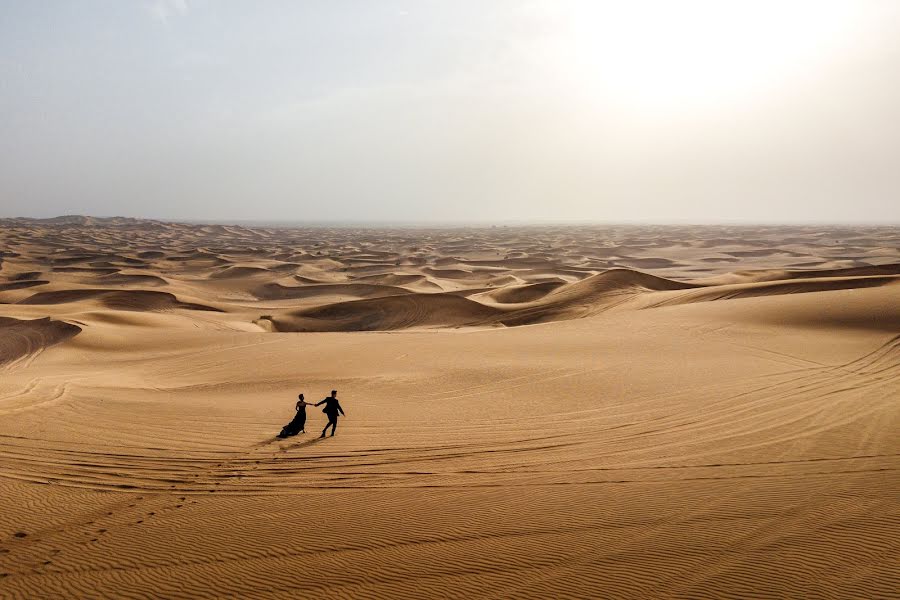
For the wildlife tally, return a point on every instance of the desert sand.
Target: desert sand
(532, 412)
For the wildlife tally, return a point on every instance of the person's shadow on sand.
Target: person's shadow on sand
(273, 439)
(301, 444)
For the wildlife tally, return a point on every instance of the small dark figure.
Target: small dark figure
(331, 410)
(298, 423)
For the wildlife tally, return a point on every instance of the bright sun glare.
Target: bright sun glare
(668, 55)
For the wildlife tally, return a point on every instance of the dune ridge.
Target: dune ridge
(509, 281)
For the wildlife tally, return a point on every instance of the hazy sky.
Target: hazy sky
(684, 110)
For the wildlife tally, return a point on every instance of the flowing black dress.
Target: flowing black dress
(297, 424)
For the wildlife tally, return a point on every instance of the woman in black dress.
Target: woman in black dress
(298, 423)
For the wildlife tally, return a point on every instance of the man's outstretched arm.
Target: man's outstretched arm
(322, 402)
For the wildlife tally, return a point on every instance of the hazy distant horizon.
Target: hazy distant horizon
(441, 112)
(270, 223)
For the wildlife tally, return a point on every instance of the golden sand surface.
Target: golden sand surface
(532, 412)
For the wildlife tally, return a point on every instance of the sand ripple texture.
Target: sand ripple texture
(619, 412)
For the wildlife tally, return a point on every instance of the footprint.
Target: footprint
(20, 534)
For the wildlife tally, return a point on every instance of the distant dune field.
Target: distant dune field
(532, 412)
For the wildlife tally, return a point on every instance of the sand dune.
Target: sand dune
(772, 288)
(26, 276)
(389, 313)
(20, 285)
(237, 272)
(532, 412)
(132, 279)
(91, 270)
(399, 280)
(764, 275)
(20, 339)
(590, 296)
(523, 293)
(621, 280)
(120, 300)
(276, 291)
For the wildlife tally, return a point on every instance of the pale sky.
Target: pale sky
(411, 111)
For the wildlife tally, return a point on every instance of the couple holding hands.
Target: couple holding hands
(298, 423)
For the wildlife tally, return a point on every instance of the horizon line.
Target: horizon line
(478, 223)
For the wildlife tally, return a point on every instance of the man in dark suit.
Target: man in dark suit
(331, 410)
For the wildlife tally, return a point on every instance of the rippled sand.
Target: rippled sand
(634, 412)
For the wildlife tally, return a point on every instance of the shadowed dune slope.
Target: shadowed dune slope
(867, 308)
(619, 281)
(389, 313)
(590, 296)
(138, 300)
(20, 338)
(276, 291)
(866, 271)
(21, 285)
(523, 293)
(759, 276)
(130, 279)
(86, 270)
(26, 276)
(777, 288)
(391, 279)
